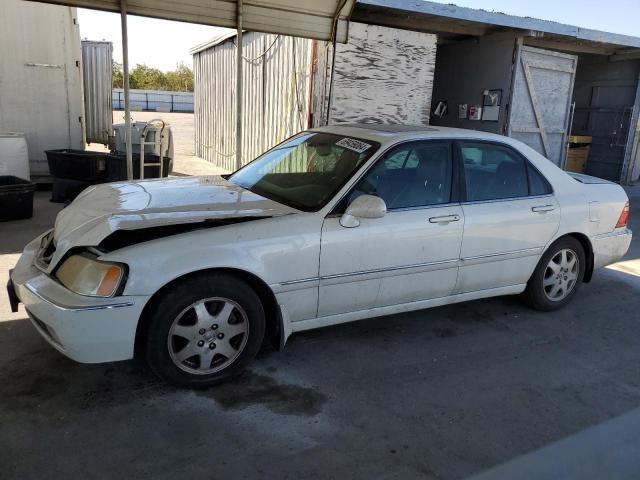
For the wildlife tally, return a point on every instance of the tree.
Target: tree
(144, 77)
(181, 79)
(116, 69)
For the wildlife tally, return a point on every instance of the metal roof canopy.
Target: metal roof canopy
(301, 18)
(451, 22)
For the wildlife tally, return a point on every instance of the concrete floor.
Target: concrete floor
(438, 394)
(184, 161)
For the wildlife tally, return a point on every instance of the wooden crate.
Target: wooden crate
(577, 159)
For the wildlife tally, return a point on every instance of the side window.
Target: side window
(423, 177)
(538, 185)
(493, 172)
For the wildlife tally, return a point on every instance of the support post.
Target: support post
(239, 86)
(125, 84)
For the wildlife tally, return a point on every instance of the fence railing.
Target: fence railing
(154, 100)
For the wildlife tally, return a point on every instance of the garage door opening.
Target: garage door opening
(604, 96)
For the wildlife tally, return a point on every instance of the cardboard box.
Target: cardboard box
(577, 159)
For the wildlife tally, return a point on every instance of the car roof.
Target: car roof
(392, 133)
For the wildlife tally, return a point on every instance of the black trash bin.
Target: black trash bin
(16, 198)
(82, 165)
(67, 189)
(116, 167)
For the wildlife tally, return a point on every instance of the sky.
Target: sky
(162, 44)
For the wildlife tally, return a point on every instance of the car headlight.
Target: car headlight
(87, 276)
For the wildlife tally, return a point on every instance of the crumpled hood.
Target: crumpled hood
(103, 209)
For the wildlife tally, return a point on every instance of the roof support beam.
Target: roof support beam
(622, 55)
(239, 48)
(387, 18)
(125, 84)
(575, 47)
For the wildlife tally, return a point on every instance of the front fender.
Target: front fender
(275, 250)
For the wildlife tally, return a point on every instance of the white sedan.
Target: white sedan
(333, 225)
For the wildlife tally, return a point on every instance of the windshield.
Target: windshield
(307, 170)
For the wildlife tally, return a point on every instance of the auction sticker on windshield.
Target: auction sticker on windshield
(353, 144)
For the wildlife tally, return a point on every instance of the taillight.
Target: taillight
(624, 217)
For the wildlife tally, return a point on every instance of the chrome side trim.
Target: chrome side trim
(426, 265)
(513, 252)
(302, 280)
(79, 308)
(387, 269)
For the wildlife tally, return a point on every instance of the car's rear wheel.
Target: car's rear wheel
(205, 330)
(557, 276)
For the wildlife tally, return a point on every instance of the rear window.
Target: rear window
(495, 172)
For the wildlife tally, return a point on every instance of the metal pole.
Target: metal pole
(125, 82)
(239, 87)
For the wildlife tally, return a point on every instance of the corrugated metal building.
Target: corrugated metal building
(288, 86)
(41, 79)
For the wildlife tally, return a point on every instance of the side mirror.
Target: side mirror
(365, 206)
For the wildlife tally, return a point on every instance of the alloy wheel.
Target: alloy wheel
(208, 335)
(561, 275)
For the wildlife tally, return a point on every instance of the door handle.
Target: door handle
(543, 208)
(444, 219)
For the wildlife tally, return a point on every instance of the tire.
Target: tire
(556, 280)
(204, 330)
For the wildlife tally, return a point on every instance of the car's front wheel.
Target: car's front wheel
(557, 276)
(205, 330)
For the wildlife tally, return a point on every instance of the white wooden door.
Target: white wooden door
(541, 100)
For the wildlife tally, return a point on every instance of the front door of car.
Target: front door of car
(510, 214)
(409, 255)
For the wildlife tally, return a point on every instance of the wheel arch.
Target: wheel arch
(588, 252)
(272, 311)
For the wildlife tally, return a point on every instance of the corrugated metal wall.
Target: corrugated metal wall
(97, 74)
(275, 100)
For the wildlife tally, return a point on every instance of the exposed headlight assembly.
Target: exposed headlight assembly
(86, 276)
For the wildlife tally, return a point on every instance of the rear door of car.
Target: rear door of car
(510, 215)
(411, 254)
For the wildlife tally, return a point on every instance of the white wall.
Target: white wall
(383, 75)
(40, 82)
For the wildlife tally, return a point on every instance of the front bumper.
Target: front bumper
(86, 329)
(610, 247)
